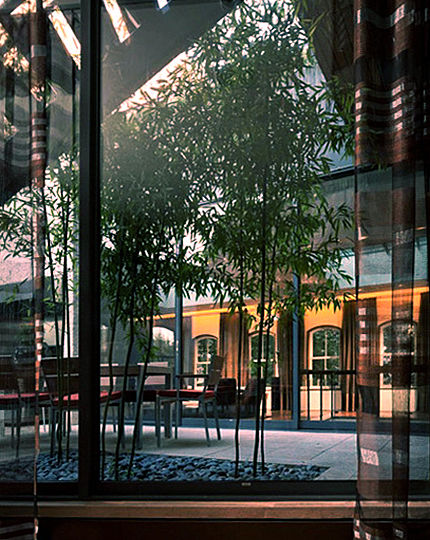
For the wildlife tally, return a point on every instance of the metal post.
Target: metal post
(308, 394)
(179, 349)
(296, 357)
(331, 396)
(178, 334)
(89, 249)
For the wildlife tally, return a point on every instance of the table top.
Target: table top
(134, 370)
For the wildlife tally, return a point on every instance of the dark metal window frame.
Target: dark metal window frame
(89, 485)
(89, 317)
(89, 283)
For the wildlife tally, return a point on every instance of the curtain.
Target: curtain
(38, 124)
(228, 345)
(391, 62)
(23, 158)
(348, 356)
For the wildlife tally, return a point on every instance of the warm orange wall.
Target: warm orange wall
(383, 303)
(330, 317)
(323, 317)
(205, 324)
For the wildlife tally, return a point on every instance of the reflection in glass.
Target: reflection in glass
(39, 257)
(325, 355)
(211, 202)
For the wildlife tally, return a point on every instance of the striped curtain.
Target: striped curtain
(23, 161)
(391, 76)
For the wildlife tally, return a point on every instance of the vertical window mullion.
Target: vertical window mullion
(89, 283)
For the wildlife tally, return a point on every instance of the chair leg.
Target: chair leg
(69, 424)
(52, 422)
(205, 416)
(114, 417)
(18, 431)
(215, 409)
(177, 416)
(43, 411)
(122, 429)
(167, 420)
(121, 426)
(158, 420)
(139, 426)
(12, 427)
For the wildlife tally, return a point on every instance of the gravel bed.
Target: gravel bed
(157, 468)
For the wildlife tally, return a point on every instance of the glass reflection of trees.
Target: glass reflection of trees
(405, 343)
(206, 349)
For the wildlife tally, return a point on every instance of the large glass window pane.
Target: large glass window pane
(212, 205)
(39, 257)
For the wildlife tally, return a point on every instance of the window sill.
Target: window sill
(197, 510)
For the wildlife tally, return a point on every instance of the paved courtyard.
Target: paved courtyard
(337, 451)
(334, 450)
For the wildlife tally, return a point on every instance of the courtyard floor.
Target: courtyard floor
(333, 450)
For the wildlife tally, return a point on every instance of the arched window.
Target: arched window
(164, 344)
(205, 349)
(407, 343)
(324, 353)
(254, 355)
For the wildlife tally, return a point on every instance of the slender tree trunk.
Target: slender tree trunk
(261, 326)
(127, 363)
(58, 351)
(114, 320)
(271, 276)
(64, 307)
(240, 347)
(260, 390)
(266, 369)
(239, 373)
(69, 354)
(143, 377)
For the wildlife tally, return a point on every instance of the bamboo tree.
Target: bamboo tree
(239, 360)
(261, 325)
(58, 352)
(269, 325)
(113, 325)
(59, 202)
(131, 336)
(270, 119)
(145, 367)
(157, 199)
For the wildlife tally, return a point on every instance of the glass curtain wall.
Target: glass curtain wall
(232, 305)
(327, 361)
(39, 259)
(217, 238)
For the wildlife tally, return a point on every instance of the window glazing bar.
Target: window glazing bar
(89, 282)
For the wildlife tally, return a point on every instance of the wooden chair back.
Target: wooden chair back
(8, 379)
(69, 376)
(215, 372)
